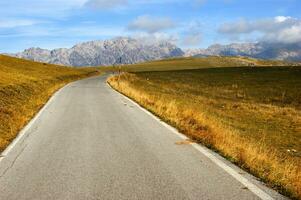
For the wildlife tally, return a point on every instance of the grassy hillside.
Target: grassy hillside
(250, 115)
(199, 63)
(24, 88)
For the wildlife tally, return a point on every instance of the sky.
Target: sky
(187, 23)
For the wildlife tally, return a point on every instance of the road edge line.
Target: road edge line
(23, 132)
(206, 152)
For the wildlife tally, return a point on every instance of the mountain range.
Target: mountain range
(271, 51)
(124, 50)
(102, 53)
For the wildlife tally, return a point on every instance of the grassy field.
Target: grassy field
(197, 63)
(250, 115)
(25, 86)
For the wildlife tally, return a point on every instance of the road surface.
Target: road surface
(90, 142)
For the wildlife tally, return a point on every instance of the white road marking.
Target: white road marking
(206, 152)
(23, 132)
(256, 190)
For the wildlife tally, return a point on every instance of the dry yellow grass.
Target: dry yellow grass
(259, 132)
(198, 63)
(25, 86)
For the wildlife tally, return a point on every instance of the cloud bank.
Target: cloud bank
(280, 29)
(192, 39)
(150, 24)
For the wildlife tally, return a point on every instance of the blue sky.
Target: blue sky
(188, 23)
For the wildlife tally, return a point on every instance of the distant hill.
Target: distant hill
(199, 63)
(287, 52)
(108, 52)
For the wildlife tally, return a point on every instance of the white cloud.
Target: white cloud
(192, 35)
(281, 18)
(192, 39)
(150, 24)
(156, 37)
(56, 9)
(13, 23)
(281, 29)
(105, 4)
(78, 31)
(261, 25)
(287, 35)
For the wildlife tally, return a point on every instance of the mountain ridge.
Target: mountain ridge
(260, 50)
(125, 50)
(120, 50)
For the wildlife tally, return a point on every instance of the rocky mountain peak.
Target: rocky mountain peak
(122, 50)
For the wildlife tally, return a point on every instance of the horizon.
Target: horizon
(117, 37)
(199, 24)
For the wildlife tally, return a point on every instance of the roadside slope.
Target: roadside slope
(24, 88)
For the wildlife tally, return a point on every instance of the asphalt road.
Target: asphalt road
(90, 142)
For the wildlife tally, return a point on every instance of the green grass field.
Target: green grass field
(25, 86)
(251, 115)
